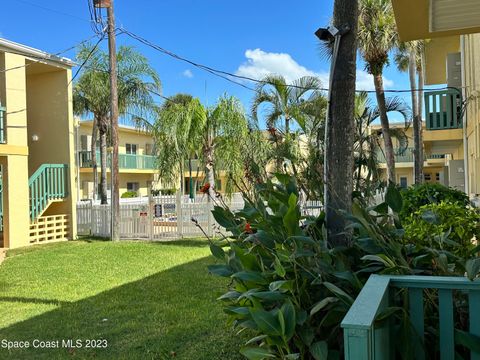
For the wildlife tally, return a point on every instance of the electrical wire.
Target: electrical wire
(228, 75)
(92, 51)
(52, 10)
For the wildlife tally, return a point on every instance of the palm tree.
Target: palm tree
(367, 143)
(286, 103)
(185, 129)
(178, 133)
(409, 58)
(226, 126)
(91, 95)
(377, 36)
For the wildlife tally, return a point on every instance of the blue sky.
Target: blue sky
(245, 37)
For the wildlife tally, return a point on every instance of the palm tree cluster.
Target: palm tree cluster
(91, 97)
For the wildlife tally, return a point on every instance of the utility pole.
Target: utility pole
(112, 50)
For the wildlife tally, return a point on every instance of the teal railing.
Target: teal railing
(125, 161)
(367, 339)
(3, 134)
(443, 109)
(48, 183)
(406, 155)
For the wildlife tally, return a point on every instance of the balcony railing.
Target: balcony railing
(125, 161)
(366, 338)
(3, 135)
(400, 156)
(443, 109)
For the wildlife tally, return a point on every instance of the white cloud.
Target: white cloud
(260, 63)
(188, 74)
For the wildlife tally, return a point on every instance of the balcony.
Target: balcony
(443, 109)
(125, 161)
(404, 156)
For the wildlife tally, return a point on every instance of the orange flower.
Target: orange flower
(248, 228)
(205, 188)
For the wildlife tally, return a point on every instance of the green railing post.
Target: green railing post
(3, 137)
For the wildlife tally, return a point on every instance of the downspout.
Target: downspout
(464, 120)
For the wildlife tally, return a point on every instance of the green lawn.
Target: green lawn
(148, 300)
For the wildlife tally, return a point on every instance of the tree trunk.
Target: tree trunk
(190, 173)
(339, 133)
(103, 164)
(421, 84)
(93, 149)
(387, 139)
(417, 119)
(210, 171)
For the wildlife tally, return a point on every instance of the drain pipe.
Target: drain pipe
(465, 117)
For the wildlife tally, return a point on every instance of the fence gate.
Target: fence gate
(164, 217)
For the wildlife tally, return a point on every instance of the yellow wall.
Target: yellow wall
(436, 51)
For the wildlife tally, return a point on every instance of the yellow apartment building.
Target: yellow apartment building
(137, 167)
(452, 59)
(443, 157)
(37, 158)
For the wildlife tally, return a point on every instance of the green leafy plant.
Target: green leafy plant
(417, 196)
(291, 290)
(129, 194)
(444, 225)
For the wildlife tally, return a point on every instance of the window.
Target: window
(403, 182)
(427, 176)
(437, 176)
(131, 148)
(133, 186)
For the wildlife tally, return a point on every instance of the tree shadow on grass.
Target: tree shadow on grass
(170, 315)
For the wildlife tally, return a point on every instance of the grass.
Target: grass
(148, 300)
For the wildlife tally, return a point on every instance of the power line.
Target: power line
(87, 58)
(228, 75)
(52, 10)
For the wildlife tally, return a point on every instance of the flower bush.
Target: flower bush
(290, 290)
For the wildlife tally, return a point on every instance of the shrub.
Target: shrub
(291, 290)
(444, 225)
(129, 194)
(417, 196)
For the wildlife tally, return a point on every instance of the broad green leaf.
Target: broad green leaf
(279, 269)
(217, 251)
(256, 353)
(342, 295)
(473, 268)
(393, 198)
(319, 350)
(281, 321)
(321, 304)
(292, 356)
(288, 311)
(381, 258)
(281, 285)
(266, 322)
(223, 217)
(256, 339)
(220, 270)
(291, 218)
(230, 295)
(470, 341)
(252, 276)
(269, 295)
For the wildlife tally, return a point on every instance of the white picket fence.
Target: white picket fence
(163, 217)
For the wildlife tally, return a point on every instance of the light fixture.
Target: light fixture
(35, 137)
(328, 33)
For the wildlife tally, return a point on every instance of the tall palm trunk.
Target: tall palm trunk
(338, 174)
(209, 154)
(387, 139)
(93, 150)
(417, 119)
(190, 173)
(103, 163)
